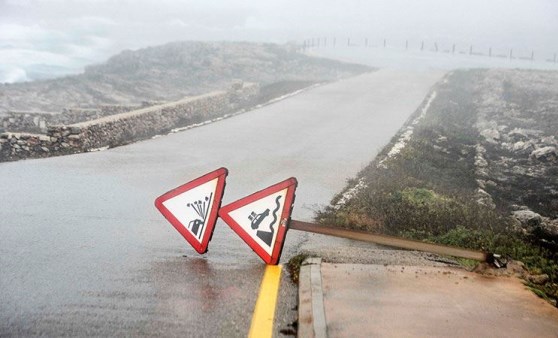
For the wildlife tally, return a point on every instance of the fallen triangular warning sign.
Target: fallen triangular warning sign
(192, 208)
(261, 219)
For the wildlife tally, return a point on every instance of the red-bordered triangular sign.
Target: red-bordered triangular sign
(261, 219)
(192, 208)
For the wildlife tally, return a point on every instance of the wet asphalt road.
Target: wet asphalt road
(83, 251)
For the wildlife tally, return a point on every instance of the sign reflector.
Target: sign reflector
(192, 208)
(261, 219)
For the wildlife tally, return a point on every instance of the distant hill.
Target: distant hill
(170, 72)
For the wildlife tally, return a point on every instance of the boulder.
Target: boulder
(549, 140)
(491, 135)
(549, 228)
(546, 154)
(480, 161)
(75, 130)
(484, 198)
(527, 218)
(518, 134)
(513, 268)
(538, 279)
(543, 228)
(523, 147)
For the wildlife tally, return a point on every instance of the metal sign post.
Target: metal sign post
(390, 241)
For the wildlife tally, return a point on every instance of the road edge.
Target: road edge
(311, 312)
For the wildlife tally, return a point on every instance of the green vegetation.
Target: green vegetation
(429, 190)
(293, 266)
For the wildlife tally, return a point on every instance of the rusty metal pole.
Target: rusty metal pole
(391, 241)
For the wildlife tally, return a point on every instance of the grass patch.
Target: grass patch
(467, 263)
(293, 266)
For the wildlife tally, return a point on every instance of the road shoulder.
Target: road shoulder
(398, 300)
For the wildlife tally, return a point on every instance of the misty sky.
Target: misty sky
(39, 37)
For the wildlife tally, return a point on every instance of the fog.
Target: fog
(40, 38)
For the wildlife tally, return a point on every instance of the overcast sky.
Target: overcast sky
(62, 36)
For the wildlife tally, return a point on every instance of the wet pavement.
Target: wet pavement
(370, 300)
(83, 251)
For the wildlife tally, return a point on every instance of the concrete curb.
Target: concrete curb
(311, 312)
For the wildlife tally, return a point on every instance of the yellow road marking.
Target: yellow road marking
(262, 320)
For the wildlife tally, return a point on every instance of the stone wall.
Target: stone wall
(34, 122)
(15, 146)
(127, 127)
(38, 122)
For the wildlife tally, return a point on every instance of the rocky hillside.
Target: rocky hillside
(170, 72)
(475, 167)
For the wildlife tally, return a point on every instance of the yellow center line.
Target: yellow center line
(262, 320)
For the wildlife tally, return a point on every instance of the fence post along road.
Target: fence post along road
(263, 218)
(489, 50)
